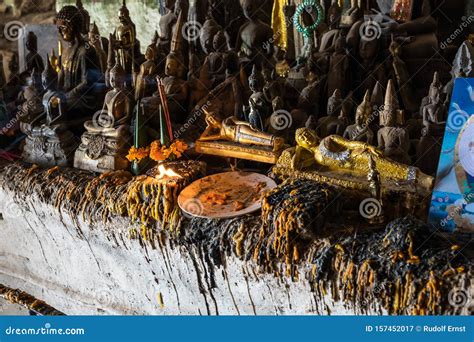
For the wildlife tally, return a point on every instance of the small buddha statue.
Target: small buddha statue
(127, 45)
(206, 35)
(241, 132)
(308, 99)
(273, 86)
(351, 158)
(361, 131)
(48, 142)
(329, 38)
(110, 60)
(328, 124)
(148, 70)
(338, 68)
(254, 41)
(259, 107)
(217, 59)
(32, 59)
(166, 24)
(393, 140)
(95, 40)
(352, 14)
(108, 136)
(433, 113)
(402, 76)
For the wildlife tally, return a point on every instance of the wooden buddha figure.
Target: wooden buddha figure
(433, 113)
(361, 131)
(338, 68)
(402, 76)
(146, 82)
(328, 124)
(105, 143)
(95, 40)
(254, 41)
(166, 24)
(32, 59)
(392, 139)
(127, 45)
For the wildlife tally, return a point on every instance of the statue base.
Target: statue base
(49, 150)
(102, 153)
(235, 150)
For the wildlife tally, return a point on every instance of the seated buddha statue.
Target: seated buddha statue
(48, 141)
(352, 158)
(393, 138)
(361, 131)
(108, 136)
(241, 132)
(148, 71)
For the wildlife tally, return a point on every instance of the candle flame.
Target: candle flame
(164, 172)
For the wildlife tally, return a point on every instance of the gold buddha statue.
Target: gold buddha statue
(336, 154)
(234, 130)
(108, 135)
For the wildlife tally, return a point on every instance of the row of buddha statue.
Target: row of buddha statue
(87, 105)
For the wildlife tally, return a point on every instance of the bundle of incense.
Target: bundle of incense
(164, 102)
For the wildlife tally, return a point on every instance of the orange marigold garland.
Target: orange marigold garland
(137, 154)
(158, 152)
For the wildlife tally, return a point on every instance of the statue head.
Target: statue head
(255, 80)
(219, 43)
(364, 110)
(435, 88)
(250, 8)
(174, 65)
(31, 42)
(389, 114)
(117, 77)
(334, 103)
(368, 48)
(94, 35)
(207, 33)
(69, 22)
(49, 77)
(169, 4)
(151, 52)
(306, 138)
(124, 14)
(212, 119)
(334, 15)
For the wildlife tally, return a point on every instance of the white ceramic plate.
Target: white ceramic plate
(225, 195)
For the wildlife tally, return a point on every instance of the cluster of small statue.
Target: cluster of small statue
(247, 80)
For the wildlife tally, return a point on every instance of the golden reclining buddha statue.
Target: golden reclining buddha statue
(347, 161)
